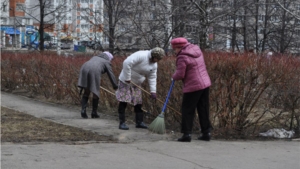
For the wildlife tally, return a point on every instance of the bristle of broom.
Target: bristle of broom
(158, 125)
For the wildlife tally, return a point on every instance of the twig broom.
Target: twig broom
(158, 125)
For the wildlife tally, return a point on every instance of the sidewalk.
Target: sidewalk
(137, 148)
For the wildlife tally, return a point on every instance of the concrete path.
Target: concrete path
(137, 148)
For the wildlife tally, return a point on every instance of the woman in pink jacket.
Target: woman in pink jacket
(191, 70)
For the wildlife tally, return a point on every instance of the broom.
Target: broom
(158, 125)
(162, 102)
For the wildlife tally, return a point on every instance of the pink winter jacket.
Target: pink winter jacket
(191, 69)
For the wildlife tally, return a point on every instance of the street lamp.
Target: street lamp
(58, 47)
(15, 34)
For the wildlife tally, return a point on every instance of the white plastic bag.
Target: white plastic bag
(278, 133)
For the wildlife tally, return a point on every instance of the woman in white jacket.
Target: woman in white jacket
(136, 68)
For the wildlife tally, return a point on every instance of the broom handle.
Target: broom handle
(107, 90)
(169, 93)
(156, 99)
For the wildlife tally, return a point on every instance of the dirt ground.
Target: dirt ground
(20, 127)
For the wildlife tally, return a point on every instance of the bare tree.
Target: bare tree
(46, 14)
(115, 11)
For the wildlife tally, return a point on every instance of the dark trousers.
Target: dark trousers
(191, 101)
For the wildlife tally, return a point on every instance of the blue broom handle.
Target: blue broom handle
(169, 93)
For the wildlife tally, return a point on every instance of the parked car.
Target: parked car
(65, 45)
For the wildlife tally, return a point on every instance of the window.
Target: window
(152, 16)
(84, 26)
(122, 29)
(274, 18)
(105, 15)
(261, 17)
(3, 21)
(260, 31)
(220, 30)
(297, 32)
(129, 39)
(138, 15)
(4, 6)
(86, 18)
(140, 2)
(153, 3)
(138, 41)
(188, 28)
(19, 7)
(26, 21)
(105, 38)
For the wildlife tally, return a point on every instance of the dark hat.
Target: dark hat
(178, 42)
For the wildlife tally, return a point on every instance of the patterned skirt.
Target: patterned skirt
(128, 93)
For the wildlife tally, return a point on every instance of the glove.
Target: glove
(153, 96)
(116, 88)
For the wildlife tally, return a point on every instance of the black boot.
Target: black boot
(139, 116)
(123, 126)
(205, 137)
(84, 101)
(185, 138)
(95, 107)
(139, 121)
(121, 111)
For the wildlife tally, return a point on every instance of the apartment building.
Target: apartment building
(13, 23)
(229, 25)
(89, 20)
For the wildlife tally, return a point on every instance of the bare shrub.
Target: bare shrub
(249, 93)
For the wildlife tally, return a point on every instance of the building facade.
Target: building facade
(14, 23)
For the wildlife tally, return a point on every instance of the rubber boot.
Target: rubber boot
(139, 117)
(205, 137)
(185, 138)
(121, 111)
(95, 107)
(84, 101)
(139, 120)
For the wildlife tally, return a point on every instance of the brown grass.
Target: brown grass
(20, 127)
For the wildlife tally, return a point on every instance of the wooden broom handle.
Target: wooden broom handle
(107, 90)
(156, 99)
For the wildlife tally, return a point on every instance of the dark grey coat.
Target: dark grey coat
(91, 71)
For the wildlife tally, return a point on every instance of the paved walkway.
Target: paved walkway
(137, 148)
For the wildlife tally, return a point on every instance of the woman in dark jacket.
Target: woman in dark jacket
(90, 77)
(191, 70)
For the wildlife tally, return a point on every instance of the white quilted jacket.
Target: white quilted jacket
(137, 68)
